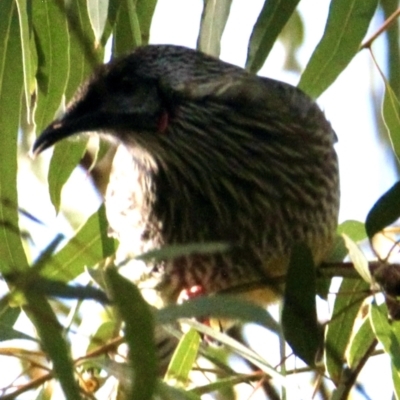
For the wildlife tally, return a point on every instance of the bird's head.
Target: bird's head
(140, 92)
(121, 96)
(194, 113)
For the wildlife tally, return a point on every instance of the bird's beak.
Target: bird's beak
(51, 135)
(58, 130)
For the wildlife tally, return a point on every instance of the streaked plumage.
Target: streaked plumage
(210, 153)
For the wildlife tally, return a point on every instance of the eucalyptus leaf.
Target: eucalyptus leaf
(127, 30)
(272, 19)
(358, 259)
(353, 229)
(11, 89)
(299, 314)
(347, 24)
(348, 300)
(184, 357)
(360, 343)
(384, 212)
(86, 248)
(222, 306)
(387, 332)
(174, 251)
(28, 65)
(139, 334)
(50, 333)
(97, 10)
(52, 41)
(391, 117)
(8, 317)
(213, 20)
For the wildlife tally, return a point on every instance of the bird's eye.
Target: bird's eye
(127, 86)
(128, 96)
(122, 86)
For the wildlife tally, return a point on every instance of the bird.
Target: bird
(209, 152)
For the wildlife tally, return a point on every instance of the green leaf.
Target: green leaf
(120, 370)
(97, 10)
(47, 253)
(338, 251)
(221, 306)
(273, 17)
(113, 7)
(8, 317)
(388, 333)
(213, 20)
(358, 259)
(7, 333)
(222, 385)
(184, 357)
(299, 314)
(32, 281)
(105, 332)
(65, 159)
(127, 32)
(139, 334)
(347, 24)
(108, 245)
(28, 66)
(87, 247)
(145, 11)
(353, 229)
(51, 288)
(396, 381)
(11, 89)
(393, 44)
(384, 212)
(51, 336)
(84, 55)
(292, 38)
(360, 343)
(348, 300)
(52, 41)
(237, 348)
(391, 117)
(174, 251)
(166, 392)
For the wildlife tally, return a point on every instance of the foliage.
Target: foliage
(47, 49)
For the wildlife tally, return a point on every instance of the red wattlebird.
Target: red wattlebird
(213, 154)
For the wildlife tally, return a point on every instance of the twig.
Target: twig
(383, 28)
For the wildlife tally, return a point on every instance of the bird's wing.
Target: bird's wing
(242, 88)
(259, 99)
